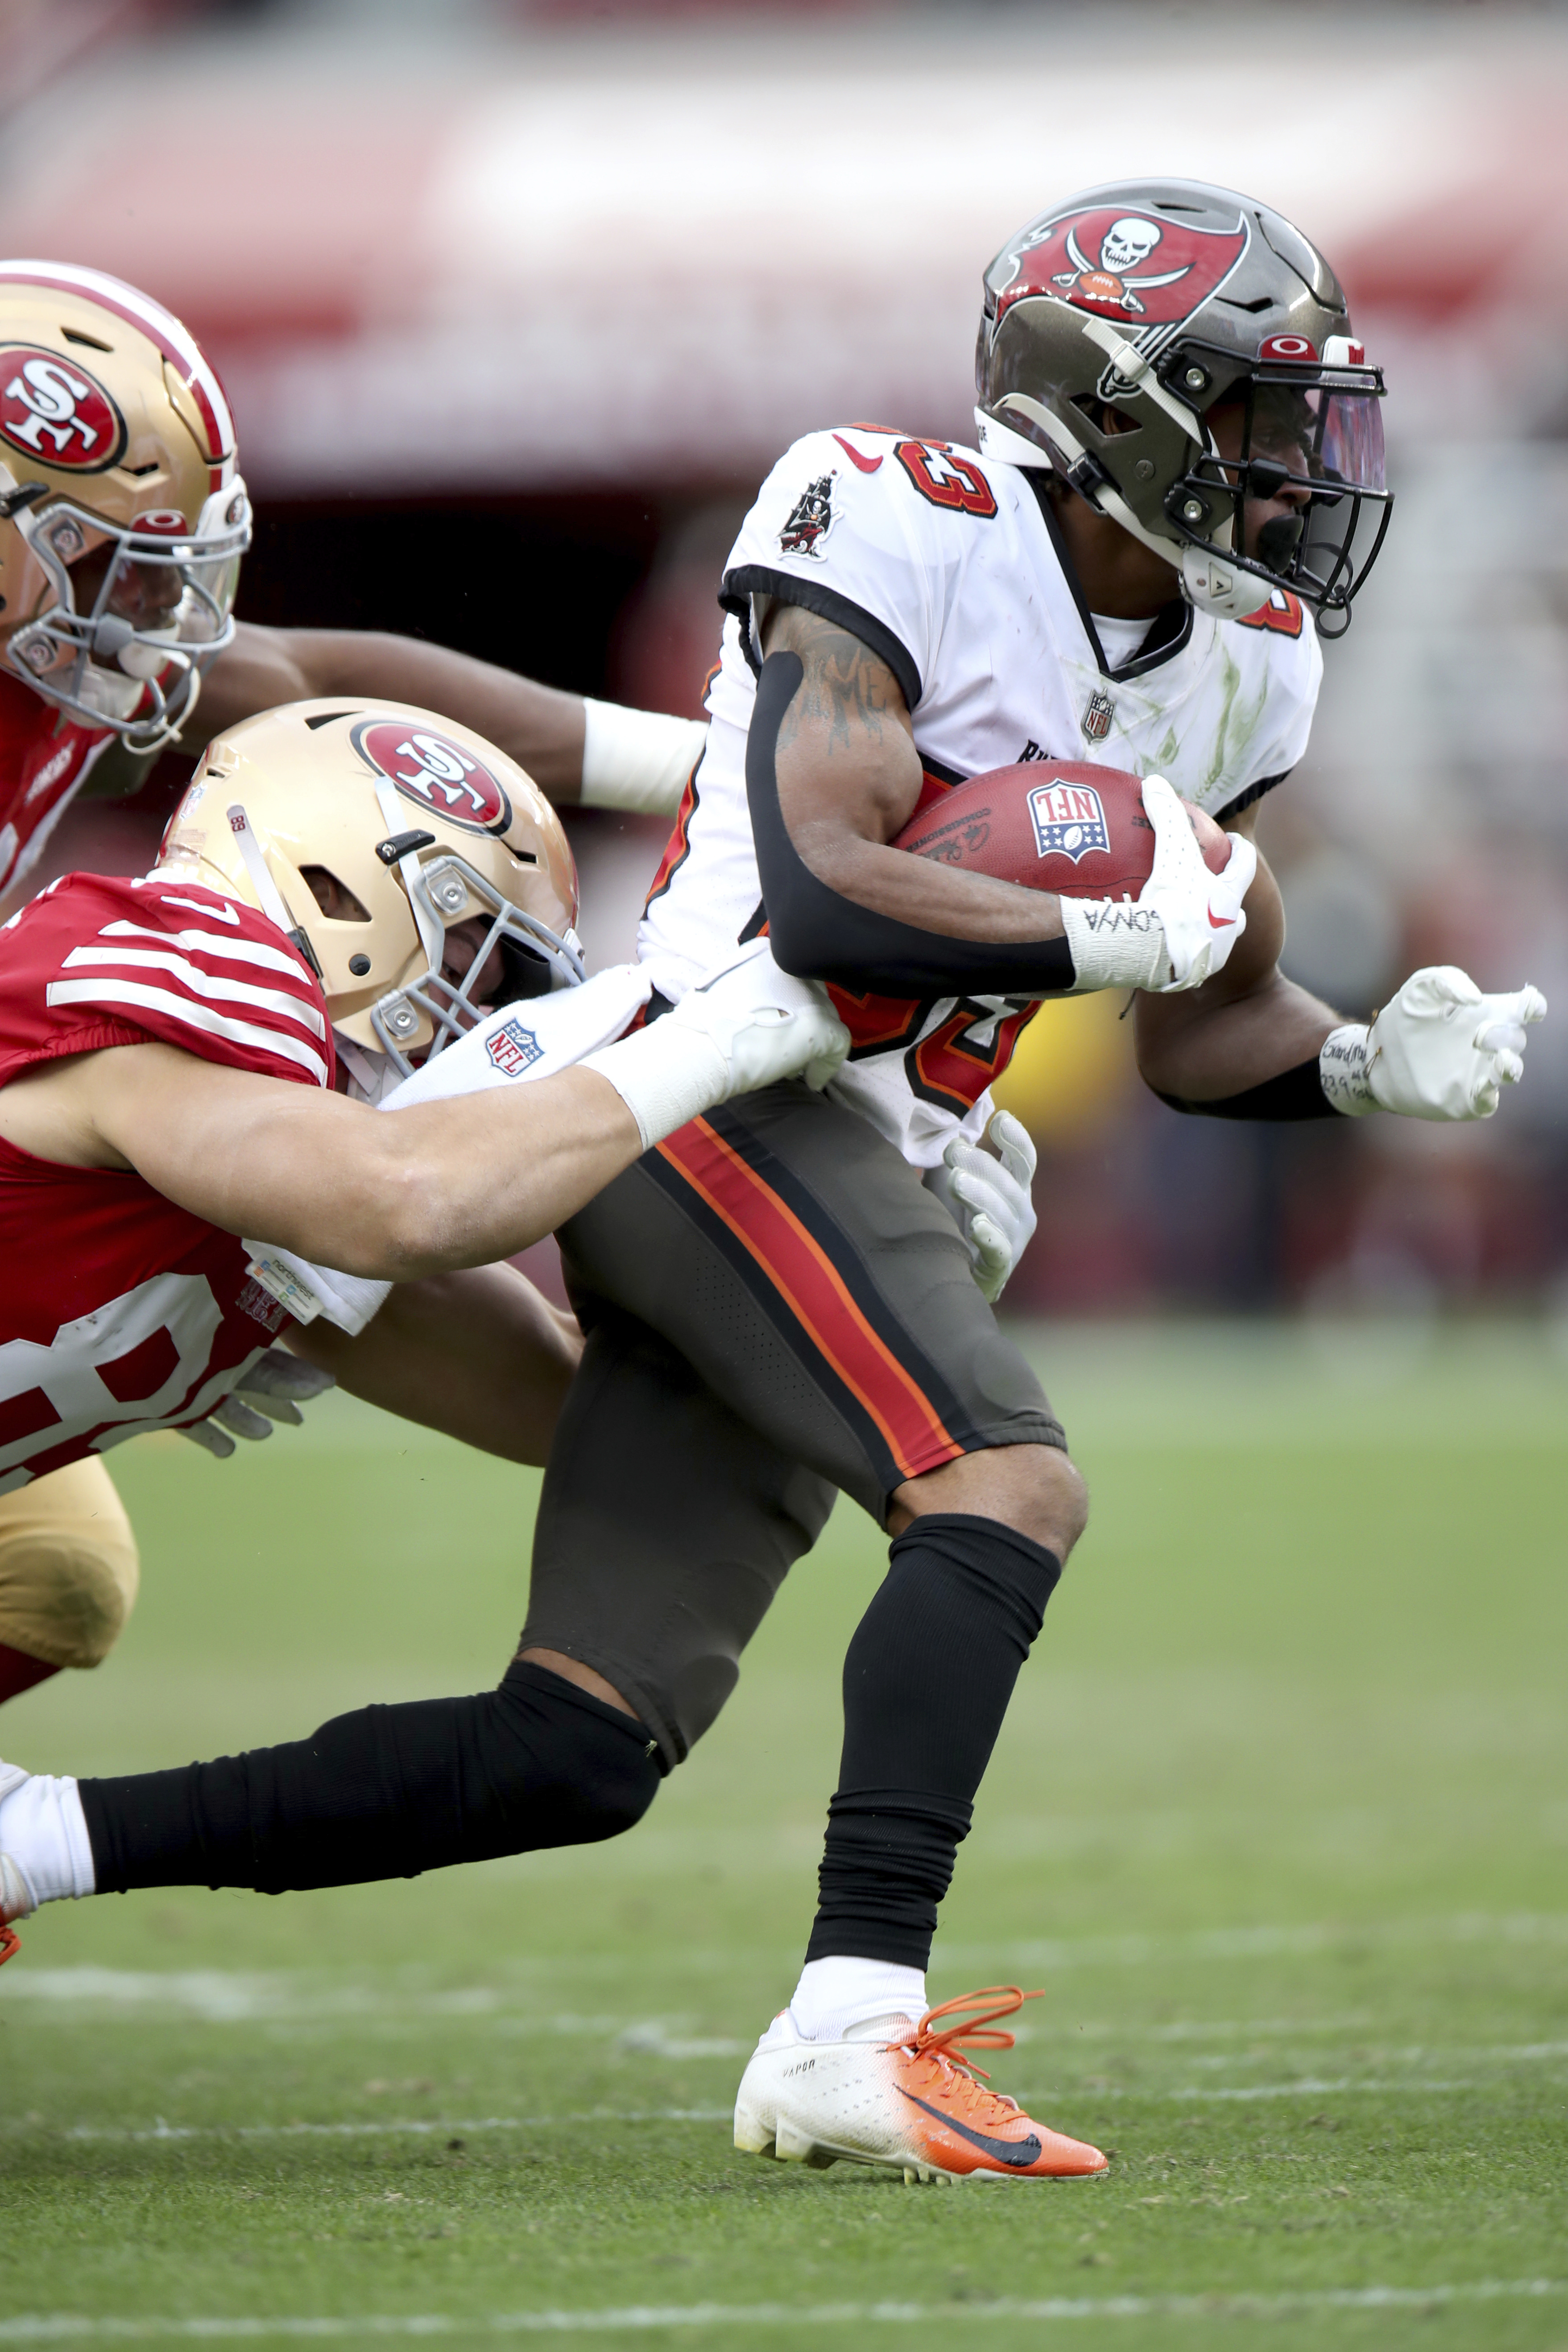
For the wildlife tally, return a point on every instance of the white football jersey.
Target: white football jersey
(949, 567)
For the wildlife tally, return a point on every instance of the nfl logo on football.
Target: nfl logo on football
(1069, 820)
(514, 1049)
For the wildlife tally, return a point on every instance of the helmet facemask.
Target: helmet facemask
(129, 614)
(1316, 430)
(445, 894)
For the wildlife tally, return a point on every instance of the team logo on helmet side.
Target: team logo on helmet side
(56, 413)
(1069, 820)
(1124, 265)
(435, 772)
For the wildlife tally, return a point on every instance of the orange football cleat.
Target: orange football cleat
(914, 2103)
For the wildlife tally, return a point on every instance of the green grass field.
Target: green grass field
(1279, 1821)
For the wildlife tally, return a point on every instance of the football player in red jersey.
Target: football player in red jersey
(168, 1084)
(123, 522)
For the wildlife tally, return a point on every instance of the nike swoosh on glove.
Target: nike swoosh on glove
(986, 1193)
(1440, 1049)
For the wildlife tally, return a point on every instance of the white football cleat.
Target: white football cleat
(912, 2102)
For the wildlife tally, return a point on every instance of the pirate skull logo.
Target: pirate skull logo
(1126, 245)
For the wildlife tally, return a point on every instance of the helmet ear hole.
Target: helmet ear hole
(333, 898)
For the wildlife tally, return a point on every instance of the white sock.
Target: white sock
(44, 1831)
(835, 1997)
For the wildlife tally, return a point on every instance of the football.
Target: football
(1051, 825)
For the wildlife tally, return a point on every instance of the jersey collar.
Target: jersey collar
(1168, 632)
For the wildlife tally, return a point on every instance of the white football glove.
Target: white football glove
(1441, 1049)
(273, 1390)
(746, 1025)
(1184, 921)
(986, 1193)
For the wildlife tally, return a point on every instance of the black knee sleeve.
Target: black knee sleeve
(926, 1684)
(386, 1793)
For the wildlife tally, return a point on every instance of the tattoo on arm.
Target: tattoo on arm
(848, 693)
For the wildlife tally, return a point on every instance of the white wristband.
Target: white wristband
(637, 760)
(1114, 944)
(1343, 1065)
(664, 1074)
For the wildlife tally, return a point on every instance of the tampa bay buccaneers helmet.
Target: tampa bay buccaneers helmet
(122, 519)
(1164, 300)
(370, 830)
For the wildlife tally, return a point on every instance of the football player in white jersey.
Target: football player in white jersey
(1179, 478)
(782, 1307)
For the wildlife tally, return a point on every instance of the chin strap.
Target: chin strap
(1209, 582)
(273, 904)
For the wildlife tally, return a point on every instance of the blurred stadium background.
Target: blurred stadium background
(516, 302)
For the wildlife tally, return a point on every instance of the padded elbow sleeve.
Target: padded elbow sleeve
(386, 1792)
(1293, 1095)
(817, 934)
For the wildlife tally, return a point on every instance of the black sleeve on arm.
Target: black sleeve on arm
(1294, 1094)
(818, 934)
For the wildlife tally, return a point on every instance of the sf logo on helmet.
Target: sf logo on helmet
(436, 772)
(56, 413)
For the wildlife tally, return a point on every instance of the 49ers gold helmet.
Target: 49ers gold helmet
(122, 519)
(369, 831)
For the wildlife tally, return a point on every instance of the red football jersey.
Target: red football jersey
(44, 755)
(119, 1311)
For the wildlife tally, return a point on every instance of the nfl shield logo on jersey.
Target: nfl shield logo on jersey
(1099, 712)
(514, 1049)
(1069, 820)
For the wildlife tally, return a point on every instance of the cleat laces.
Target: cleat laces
(942, 2062)
(10, 1943)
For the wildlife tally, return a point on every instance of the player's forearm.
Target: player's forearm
(538, 726)
(479, 1355)
(1199, 1053)
(444, 1185)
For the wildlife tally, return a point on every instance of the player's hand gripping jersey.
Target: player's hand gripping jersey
(119, 1311)
(950, 570)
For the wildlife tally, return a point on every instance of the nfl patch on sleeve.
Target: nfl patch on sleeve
(512, 1049)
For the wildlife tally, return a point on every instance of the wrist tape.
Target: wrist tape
(1344, 1067)
(664, 1074)
(637, 760)
(1114, 944)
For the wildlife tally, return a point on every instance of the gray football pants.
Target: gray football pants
(776, 1308)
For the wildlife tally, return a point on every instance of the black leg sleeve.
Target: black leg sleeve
(383, 1793)
(926, 1684)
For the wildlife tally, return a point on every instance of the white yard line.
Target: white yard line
(64, 2327)
(224, 1997)
(426, 2125)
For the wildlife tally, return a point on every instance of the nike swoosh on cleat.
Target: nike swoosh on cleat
(1015, 2152)
(867, 465)
(1220, 923)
